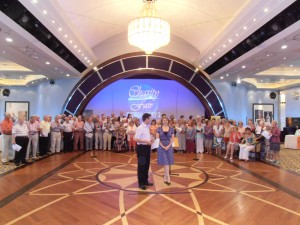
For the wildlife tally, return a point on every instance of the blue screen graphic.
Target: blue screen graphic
(137, 96)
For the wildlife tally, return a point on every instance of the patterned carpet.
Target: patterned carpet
(290, 159)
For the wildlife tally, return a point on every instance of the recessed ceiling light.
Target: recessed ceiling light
(89, 61)
(238, 81)
(79, 50)
(284, 46)
(75, 46)
(85, 58)
(245, 28)
(218, 50)
(21, 77)
(214, 54)
(244, 67)
(261, 80)
(227, 75)
(224, 46)
(45, 12)
(222, 78)
(95, 68)
(53, 21)
(205, 60)
(47, 63)
(291, 65)
(3, 52)
(68, 75)
(266, 10)
(268, 55)
(9, 39)
(254, 19)
(209, 57)
(32, 82)
(71, 41)
(59, 29)
(34, 1)
(230, 40)
(284, 58)
(47, 78)
(92, 64)
(66, 35)
(236, 34)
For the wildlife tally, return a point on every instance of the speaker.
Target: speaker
(272, 95)
(6, 92)
(52, 82)
(233, 84)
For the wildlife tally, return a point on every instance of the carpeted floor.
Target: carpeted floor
(290, 159)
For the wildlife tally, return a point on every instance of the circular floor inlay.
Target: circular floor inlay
(124, 177)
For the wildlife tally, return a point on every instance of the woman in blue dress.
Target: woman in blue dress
(165, 133)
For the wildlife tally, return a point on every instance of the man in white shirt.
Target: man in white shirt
(33, 127)
(144, 141)
(67, 135)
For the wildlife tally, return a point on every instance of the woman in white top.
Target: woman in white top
(130, 131)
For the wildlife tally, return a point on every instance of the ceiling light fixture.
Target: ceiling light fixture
(238, 81)
(266, 10)
(45, 12)
(68, 75)
(47, 63)
(284, 46)
(243, 67)
(59, 29)
(245, 28)
(222, 78)
(149, 32)
(53, 21)
(254, 19)
(9, 39)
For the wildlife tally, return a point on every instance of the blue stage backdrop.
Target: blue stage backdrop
(137, 96)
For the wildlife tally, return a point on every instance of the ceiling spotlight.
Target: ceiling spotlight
(230, 40)
(266, 10)
(34, 1)
(91, 64)
(79, 50)
(75, 46)
(9, 40)
(283, 46)
(95, 68)
(224, 46)
(236, 34)
(218, 50)
(209, 57)
(47, 63)
(291, 65)
(284, 58)
(66, 35)
(45, 12)
(244, 67)
(245, 28)
(254, 19)
(59, 29)
(3, 52)
(53, 21)
(214, 54)
(222, 78)
(227, 75)
(21, 77)
(85, 58)
(71, 41)
(68, 75)
(89, 61)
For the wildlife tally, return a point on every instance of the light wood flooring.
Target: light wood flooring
(74, 188)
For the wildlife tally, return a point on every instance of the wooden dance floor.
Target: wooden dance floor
(74, 188)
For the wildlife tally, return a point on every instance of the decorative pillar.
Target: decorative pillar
(282, 110)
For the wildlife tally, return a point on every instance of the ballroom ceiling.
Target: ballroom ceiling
(201, 33)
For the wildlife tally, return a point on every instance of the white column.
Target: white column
(282, 106)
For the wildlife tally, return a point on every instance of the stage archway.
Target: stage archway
(133, 64)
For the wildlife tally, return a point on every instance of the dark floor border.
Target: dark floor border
(24, 189)
(268, 181)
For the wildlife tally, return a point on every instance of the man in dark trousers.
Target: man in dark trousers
(144, 141)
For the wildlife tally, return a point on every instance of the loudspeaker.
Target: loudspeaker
(233, 84)
(272, 95)
(52, 82)
(6, 92)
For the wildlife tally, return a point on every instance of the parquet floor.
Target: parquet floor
(78, 189)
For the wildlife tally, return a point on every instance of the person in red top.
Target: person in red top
(6, 129)
(275, 141)
(233, 143)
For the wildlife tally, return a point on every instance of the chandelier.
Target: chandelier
(149, 32)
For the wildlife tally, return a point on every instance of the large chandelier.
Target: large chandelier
(149, 32)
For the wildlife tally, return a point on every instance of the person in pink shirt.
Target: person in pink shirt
(234, 140)
(275, 141)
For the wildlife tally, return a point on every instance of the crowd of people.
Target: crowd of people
(39, 137)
